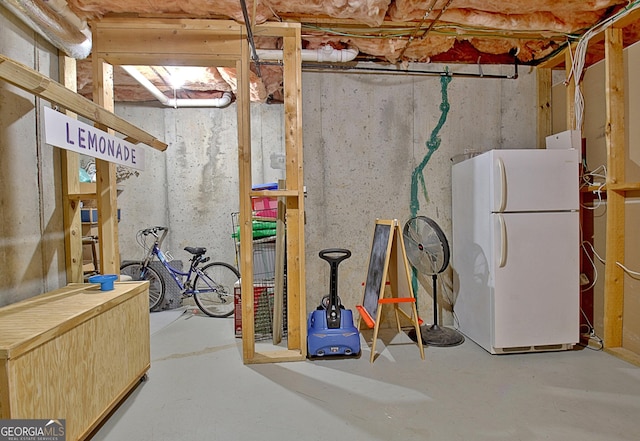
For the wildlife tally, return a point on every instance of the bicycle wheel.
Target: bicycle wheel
(156, 283)
(214, 289)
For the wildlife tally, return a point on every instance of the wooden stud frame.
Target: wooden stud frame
(64, 94)
(544, 106)
(140, 41)
(616, 185)
(106, 192)
(70, 163)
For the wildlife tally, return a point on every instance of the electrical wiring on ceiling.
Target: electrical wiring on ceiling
(445, 29)
(578, 57)
(417, 28)
(428, 29)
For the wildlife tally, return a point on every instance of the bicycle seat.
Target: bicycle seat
(198, 251)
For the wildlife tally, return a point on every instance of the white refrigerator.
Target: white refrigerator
(515, 249)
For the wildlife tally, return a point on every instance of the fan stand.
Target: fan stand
(435, 335)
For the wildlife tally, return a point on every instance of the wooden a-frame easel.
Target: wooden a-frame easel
(387, 254)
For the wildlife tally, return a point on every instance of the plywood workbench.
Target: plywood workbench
(73, 353)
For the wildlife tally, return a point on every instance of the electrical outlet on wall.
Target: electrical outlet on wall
(278, 161)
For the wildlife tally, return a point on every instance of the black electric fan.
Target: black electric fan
(428, 252)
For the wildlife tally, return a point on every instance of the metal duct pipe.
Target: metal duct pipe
(324, 53)
(56, 23)
(254, 54)
(224, 101)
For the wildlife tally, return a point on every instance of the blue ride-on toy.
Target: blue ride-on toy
(330, 327)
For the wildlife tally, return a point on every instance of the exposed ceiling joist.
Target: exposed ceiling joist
(392, 32)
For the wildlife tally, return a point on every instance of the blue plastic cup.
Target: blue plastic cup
(105, 281)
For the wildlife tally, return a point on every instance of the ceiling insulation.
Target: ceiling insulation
(382, 31)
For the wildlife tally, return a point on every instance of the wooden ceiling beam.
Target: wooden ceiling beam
(164, 42)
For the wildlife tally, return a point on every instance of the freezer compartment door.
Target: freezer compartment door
(536, 296)
(534, 180)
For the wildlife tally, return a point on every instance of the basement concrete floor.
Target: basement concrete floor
(199, 389)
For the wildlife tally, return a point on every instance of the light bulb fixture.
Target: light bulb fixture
(177, 77)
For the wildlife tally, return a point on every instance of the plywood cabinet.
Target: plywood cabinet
(73, 353)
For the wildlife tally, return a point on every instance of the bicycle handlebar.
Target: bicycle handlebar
(154, 230)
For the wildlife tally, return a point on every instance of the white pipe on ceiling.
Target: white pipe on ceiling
(324, 53)
(61, 27)
(224, 101)
(54, 21)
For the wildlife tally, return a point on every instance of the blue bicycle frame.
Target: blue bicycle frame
(179, 275)
(212, 285)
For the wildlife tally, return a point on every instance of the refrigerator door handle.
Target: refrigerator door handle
(503, 242)
(503, 186)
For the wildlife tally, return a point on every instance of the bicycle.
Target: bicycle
(212, 285)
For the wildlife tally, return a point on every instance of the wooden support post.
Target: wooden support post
(70, 165)
(106, 176)
(278, 294)
(571, 92)
(545, 127)
(245, 215)
(615, 141)
(294, 194)
(296, 298)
